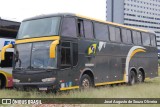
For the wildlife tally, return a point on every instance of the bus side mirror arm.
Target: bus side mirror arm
(4, 50)
(53, 48)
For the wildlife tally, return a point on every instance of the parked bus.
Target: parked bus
(69, 51)
(8, 32)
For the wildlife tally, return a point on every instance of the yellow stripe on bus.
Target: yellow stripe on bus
(53, 48)
(37, 39)
(136, 51)
(69, 88)
(105, 83)
(147, 78)
(4, 50)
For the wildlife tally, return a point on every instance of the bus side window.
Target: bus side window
(153, 40)
(112, 33)
(101, 31)
(80, 28)
(134, 33)
(65, 55)
(136, 37)
(75, 53)
(8, 60)
(126, 36)
(139, 41)
(69, 27)
(146, 39)
(129, 37)
(118, 35)
(88, 29)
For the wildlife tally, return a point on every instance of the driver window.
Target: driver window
(69, 54)
(65, 55)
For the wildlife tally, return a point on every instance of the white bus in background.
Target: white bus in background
(8, 33)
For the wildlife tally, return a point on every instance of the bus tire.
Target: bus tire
(86, 82)
(132, 78)
(140, 77)
(2, 82)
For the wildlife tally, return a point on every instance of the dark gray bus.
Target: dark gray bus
(68, 51)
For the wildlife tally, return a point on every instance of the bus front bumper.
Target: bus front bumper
(42, 86)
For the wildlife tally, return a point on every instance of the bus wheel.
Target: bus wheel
(132, 78)
(140, 77)
(86, 82)
(2, 82)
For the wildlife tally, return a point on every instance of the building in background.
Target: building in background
(144, 14)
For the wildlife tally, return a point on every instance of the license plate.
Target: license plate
(43, 88)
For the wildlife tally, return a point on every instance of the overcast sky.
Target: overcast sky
(20, 9)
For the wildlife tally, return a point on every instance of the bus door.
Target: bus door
(68, 53)
(68, 62)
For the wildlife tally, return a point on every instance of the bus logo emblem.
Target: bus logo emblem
(92, 49)
(9, 42)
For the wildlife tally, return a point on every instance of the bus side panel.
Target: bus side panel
(147, 60)
(109, 65)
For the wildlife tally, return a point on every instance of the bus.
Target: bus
(8, 32)
(69, 51)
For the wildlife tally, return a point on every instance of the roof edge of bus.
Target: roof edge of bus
(82, 16)
(112, 23)
(48, 15)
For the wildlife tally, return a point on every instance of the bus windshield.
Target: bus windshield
(39, 27)
(34, 56)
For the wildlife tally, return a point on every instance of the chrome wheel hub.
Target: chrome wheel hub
(85, 83)
(140, 78)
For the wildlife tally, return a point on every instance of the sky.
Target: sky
(18, 10)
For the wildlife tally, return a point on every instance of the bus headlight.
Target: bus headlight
(16, 80)
(48, 79)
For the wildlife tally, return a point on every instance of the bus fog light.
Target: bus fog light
(48, 79)
(16, 80)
